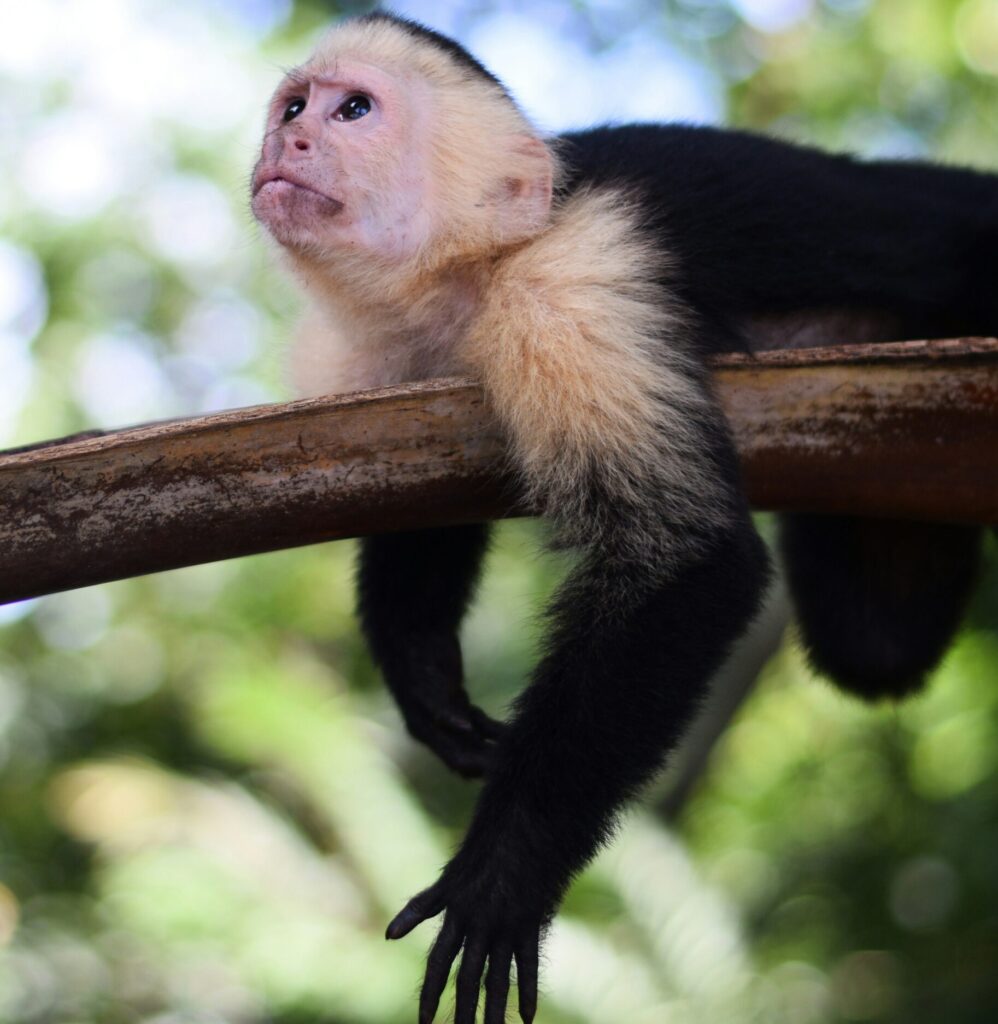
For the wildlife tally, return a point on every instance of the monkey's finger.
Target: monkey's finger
(457, 721)
(497, 984)
(447, 743)
(488, 726)
(469, 765)
(526, 976)
(420, 908)
(470, 723)
(471, 757)
(438, 965)
(469, 980)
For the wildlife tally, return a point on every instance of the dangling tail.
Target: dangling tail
(878, 601)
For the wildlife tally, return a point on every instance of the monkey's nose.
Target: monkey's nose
(302, 145)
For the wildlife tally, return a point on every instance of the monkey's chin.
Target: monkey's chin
(291, 212)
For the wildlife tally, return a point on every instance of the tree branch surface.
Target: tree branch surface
(905, 430)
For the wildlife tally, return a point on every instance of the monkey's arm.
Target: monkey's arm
(612, 696)
(413, 590)
(622, 446)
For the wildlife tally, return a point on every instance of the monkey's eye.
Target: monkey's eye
(293, 109)
(354, 107)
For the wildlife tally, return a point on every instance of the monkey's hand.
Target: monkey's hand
(490, 912)
(412, 590)
(436, 707)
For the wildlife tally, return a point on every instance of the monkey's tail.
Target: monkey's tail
(878, 601)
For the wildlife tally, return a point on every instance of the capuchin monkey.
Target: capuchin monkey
(585, 279)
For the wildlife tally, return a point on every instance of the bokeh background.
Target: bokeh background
(208, 807)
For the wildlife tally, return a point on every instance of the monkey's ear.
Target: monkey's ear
(525, 202)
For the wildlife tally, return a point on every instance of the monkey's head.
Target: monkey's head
(391, 146)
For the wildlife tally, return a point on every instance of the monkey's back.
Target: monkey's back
(759, 227)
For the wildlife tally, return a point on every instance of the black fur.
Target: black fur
(755, 227)
(878, 601)
(413, 591)
(761, 227)
(438, 41)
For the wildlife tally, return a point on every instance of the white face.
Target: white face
(345, 163)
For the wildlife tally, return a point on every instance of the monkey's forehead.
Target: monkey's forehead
(402, 49)
(342, 69)
(476, 103)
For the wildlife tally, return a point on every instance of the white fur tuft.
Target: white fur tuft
(581, 353)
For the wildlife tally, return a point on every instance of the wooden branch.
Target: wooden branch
(905, 430)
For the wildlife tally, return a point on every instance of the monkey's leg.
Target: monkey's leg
(878, 601)
(413, 590)
(622, 678)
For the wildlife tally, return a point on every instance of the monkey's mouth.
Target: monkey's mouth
(274, 186)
